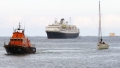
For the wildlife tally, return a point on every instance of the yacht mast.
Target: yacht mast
(100, 31)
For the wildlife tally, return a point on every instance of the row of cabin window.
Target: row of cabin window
(16, 39)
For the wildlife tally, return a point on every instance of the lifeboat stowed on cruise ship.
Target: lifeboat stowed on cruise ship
(19, 43)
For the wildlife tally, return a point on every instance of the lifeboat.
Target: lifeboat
(19, 43)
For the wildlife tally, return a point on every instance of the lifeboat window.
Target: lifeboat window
(15, 39)
(11, 39)
(20, 39)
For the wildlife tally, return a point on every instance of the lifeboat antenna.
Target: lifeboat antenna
(19, 26)
(24, 25)
(13, 26)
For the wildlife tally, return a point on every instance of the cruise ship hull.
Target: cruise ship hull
(52, 35)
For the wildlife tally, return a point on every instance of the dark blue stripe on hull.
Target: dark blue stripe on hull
(61, 35)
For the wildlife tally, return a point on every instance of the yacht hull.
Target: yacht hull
(102, 46)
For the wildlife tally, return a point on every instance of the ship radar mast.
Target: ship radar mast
(55, 20)
(19, 26)
(70, 20)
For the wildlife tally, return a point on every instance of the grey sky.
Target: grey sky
(36, 14)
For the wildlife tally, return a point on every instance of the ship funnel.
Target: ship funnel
(61, 21)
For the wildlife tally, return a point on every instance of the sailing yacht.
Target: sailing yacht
(101, 44)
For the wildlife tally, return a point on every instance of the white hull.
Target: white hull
(102, 46)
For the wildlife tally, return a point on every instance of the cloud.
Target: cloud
(85, 21)
(14, 18)
(111, 21)
(30, 22)
(107, 21)
(39, 21)
(10, 21)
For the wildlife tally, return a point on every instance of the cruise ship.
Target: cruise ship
(62, 29)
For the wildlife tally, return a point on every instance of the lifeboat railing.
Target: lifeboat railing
(32, 45)
(5, 43)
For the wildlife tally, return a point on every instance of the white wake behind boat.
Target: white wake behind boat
(101, 44)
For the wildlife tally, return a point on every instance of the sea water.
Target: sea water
(79, 52)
